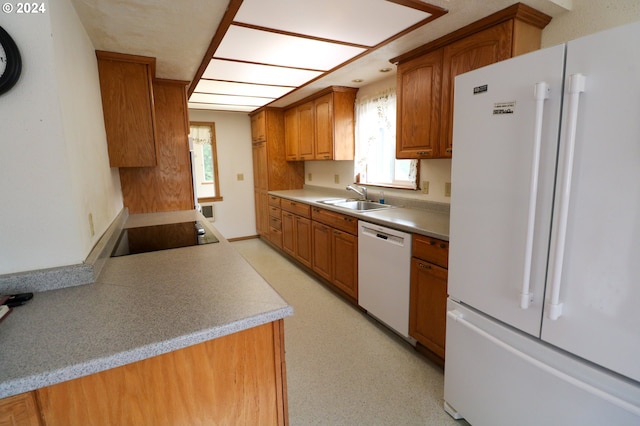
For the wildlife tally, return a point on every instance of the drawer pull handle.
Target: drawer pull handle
(443, 245)
(424, 266)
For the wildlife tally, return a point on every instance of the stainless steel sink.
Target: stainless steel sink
(356, 205)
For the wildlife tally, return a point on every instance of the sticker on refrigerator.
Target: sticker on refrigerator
(480, 89)
(500, 108)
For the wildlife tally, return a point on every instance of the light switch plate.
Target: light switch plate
(240, 176)
(336, 178)
(447, 189)
(425, 187)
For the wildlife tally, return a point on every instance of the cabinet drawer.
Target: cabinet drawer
(339, 221)
(275, 223)
(301, 209)
(431, 249)
(274, 201)
(275, 212)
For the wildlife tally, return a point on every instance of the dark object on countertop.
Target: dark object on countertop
(14, 300)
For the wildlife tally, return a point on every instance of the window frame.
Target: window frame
(214, 159)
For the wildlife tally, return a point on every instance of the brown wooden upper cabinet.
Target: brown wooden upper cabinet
(426, 75)
(126, 83)
(259, 127)
(321, 127)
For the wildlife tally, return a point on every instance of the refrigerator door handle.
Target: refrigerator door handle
(576, 86)
(457, 316)
(541, 92)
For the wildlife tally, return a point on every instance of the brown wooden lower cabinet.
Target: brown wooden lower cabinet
(235, 379)
(20, 410)
(296, 237)
(428, 297)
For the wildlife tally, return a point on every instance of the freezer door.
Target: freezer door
(492, 176)
(497, 376)
(600, 274)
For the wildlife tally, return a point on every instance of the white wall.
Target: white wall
(235, 214)
(53, 163)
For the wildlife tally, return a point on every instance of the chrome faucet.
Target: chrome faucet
(360, 190)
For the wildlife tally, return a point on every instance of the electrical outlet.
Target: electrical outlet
(447, 189)
(336, 178)
(92, 228)
(240, 176)
(425, 187)
(310, 177)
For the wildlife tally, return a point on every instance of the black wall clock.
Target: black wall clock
(10, 62)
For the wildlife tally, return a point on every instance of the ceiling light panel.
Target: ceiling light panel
(258, 74)
(264, 47)
(229, 99)
(363, 22)
(242, 89)
(220, 107)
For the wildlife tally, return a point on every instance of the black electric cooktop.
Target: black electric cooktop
(162, 237)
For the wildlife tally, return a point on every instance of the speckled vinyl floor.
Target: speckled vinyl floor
(343, 368)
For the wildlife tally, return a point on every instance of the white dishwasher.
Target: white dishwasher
(384, 264)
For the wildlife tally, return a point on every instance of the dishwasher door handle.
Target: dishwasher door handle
(382, 236)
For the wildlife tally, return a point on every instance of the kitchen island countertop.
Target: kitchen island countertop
(141, 306)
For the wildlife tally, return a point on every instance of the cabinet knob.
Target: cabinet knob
(422, 152)
(432, 243)
(448, 150)
(443, 245)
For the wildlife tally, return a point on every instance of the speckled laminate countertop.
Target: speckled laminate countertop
(429, 222)
(141, 306)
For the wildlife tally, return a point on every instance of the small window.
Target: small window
(205, 161)
(375, 162)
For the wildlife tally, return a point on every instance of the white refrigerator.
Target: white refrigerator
(543, 320)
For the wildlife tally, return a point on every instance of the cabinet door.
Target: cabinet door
(128, 109)
(345, 262)
(428, 305)
(418, 116)
(323, 107)
(19, 410)
(288, 237)
(322, 250)
(476, 51)
(291, 134)
(258, 127)
(306, 131)
(302, 230)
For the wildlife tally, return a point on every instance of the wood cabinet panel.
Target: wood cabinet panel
(258, 127)
(306, 132)
(295, 207)
(291, 134)
(486, 47)
(288, 233)
(168, 186)
(235, 379)
(428, 305)
(303, 240)
(128, 108)
(322, 126)
(322, 250)
(345, 262)
(271, 170)
(418, 116)
(423, 106)
(19, 410)
(336, 220)
(274, 201)
(323, 109)
(430, 249)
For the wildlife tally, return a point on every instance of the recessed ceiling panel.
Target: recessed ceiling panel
(258, 74)
(229, 88)
(364, 22)
(264, 47)
(229, 99)
(220, 107)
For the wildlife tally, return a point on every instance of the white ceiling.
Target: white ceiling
(178, 34)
